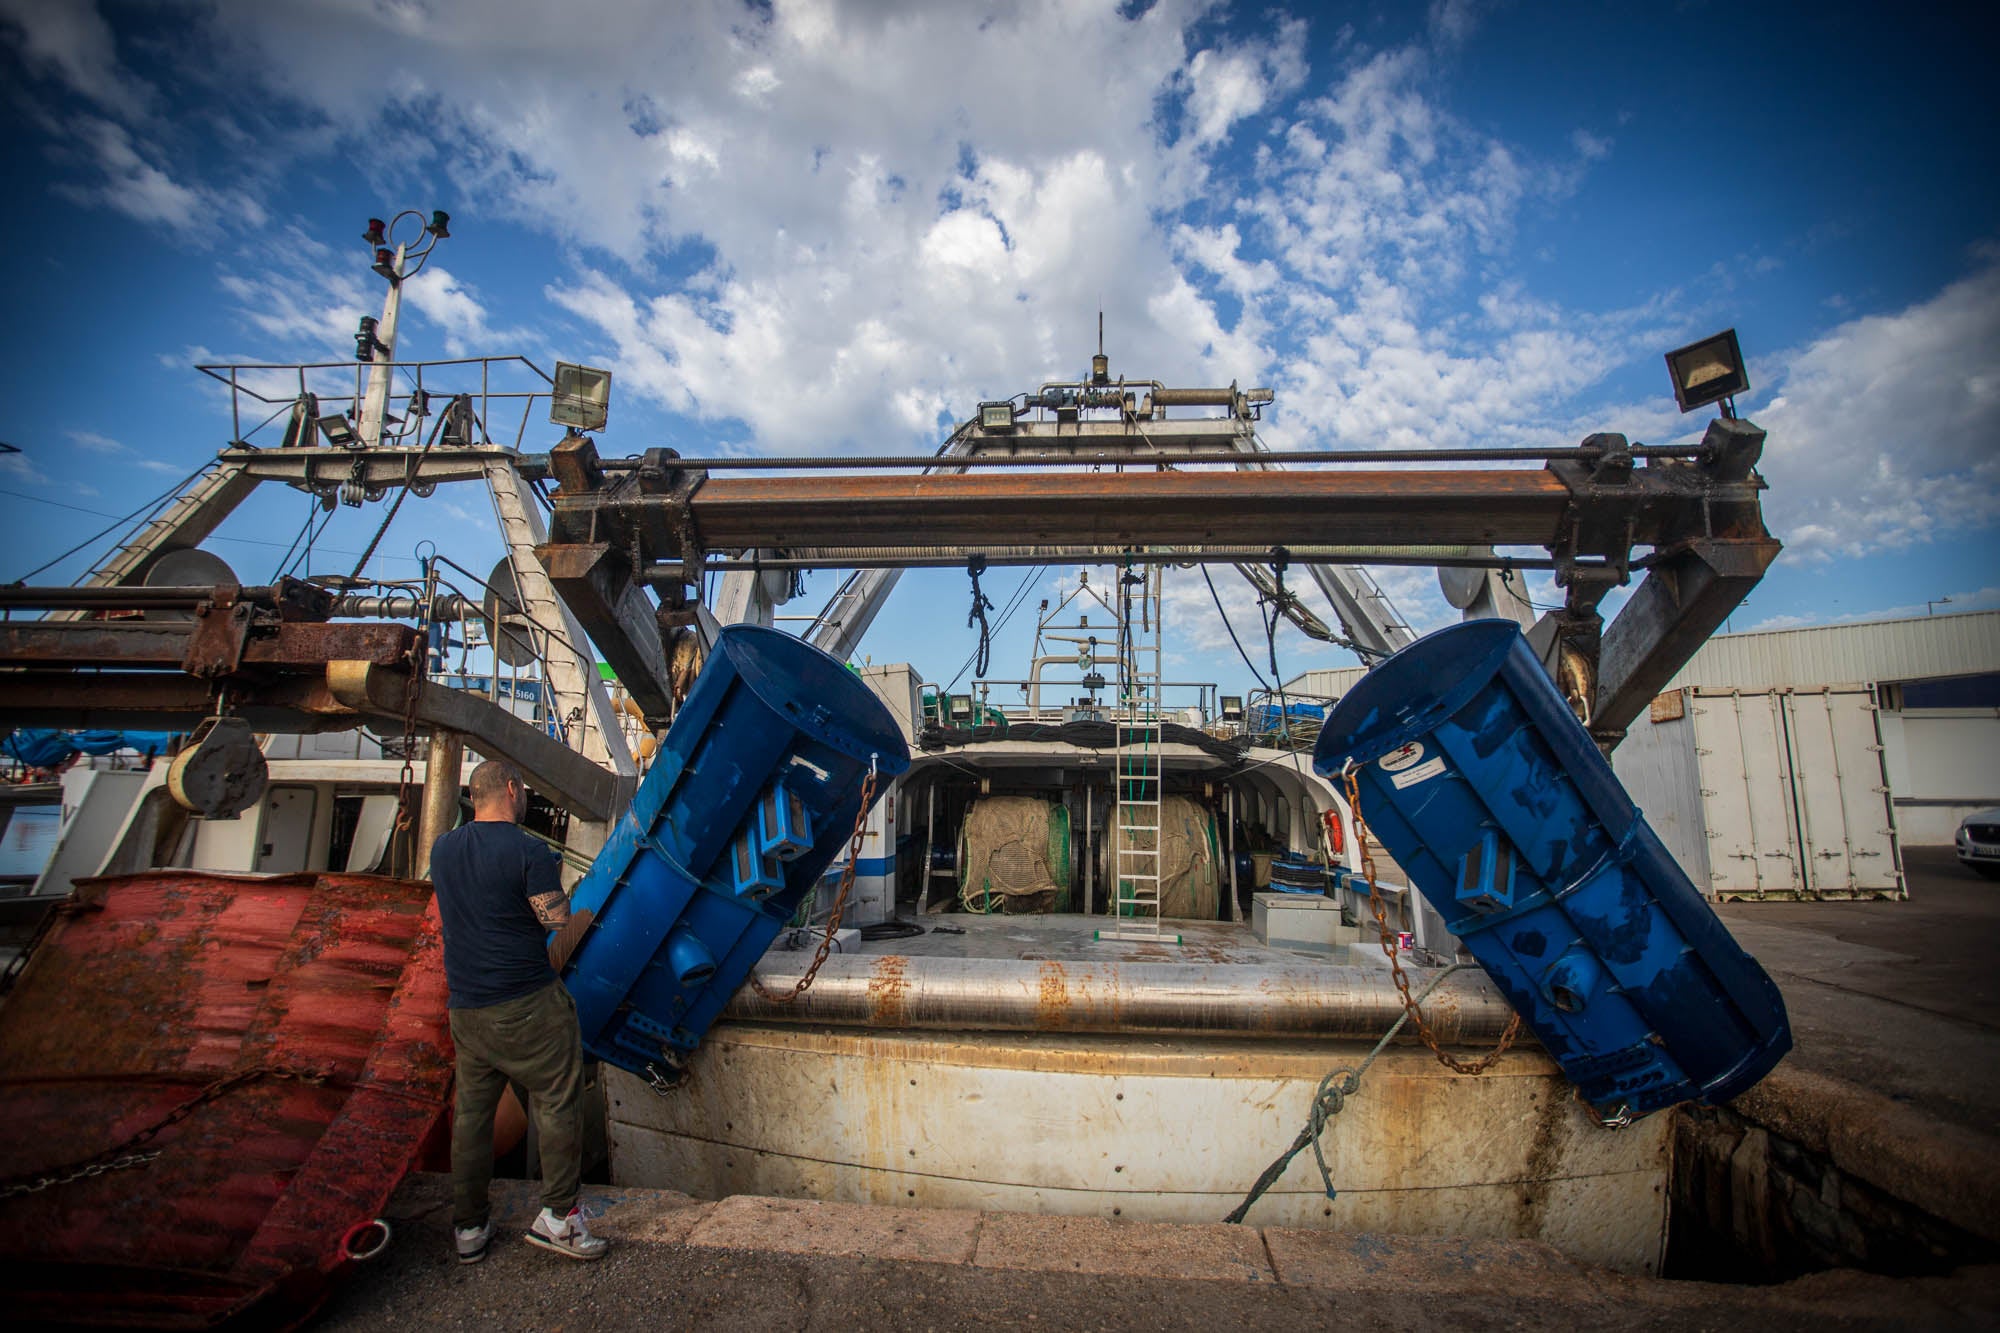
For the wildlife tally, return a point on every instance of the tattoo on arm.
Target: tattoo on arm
(551, 909)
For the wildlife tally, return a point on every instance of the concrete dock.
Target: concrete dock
(1891, 1101)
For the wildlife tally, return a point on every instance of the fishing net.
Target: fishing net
(1013, 856)
(1190, 863)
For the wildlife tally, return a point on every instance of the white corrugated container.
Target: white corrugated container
(1864, 653)
(1768, 793)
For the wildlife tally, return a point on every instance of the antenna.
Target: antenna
(1100, 331)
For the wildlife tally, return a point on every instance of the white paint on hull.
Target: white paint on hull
(1145, 1130)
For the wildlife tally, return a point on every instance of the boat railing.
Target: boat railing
(495, 383)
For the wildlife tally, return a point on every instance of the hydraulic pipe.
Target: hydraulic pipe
(895, 991)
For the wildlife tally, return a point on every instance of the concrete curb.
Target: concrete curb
(1942, 1168)
(1358, 1264)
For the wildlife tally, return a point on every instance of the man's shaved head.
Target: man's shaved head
(489, 782)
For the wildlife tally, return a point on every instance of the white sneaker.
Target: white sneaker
(472, 1241)
(569, 1236)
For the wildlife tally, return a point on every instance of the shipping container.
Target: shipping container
(1778, 794)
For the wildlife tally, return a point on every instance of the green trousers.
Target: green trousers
(534, 1041)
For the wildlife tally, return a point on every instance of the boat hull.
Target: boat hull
(1146, 1129)
(296, 1023)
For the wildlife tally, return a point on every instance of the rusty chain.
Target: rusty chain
(89, 1171)
(120, 1156)
(839, 899)
(1375, 905)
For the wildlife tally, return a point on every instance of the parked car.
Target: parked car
(1979, 842)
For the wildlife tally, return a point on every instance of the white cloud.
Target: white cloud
(437, 294)
(19, 467)
(92, 443)
(296, 305)
(71, 41)
(131, 184)
(1590, 146)
(1882, 432)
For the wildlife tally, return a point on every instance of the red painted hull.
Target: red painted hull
(326, 991)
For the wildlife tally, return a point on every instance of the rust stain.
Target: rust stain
(1544, 1156)
(177, 977)
(888, 991)
(1052, 998)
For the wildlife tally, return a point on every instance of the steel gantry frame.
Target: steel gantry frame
(1688, 520)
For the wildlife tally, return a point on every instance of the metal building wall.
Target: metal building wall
(1861, 654)
(1944, 764)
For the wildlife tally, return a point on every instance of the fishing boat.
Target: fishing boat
(1104, 944)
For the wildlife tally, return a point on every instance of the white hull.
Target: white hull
(1146, 1129)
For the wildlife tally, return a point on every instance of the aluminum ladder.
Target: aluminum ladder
(1137, 772)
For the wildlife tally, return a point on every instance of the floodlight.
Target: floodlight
(1232, 708)
(1708, 371)
(961, 708)
(339, 431)
(582, 397)
(996, 416)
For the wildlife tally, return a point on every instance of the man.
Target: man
(498, 896)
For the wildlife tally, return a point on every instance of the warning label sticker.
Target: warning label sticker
(1411, 776)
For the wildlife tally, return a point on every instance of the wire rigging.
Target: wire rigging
(409, 478)
(148, 510)
(1232, 629)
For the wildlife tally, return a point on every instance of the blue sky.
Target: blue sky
(816, 227)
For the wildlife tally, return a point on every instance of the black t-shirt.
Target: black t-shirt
(494, 947)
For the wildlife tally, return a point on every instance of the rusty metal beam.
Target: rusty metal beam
(326, 695)
(1683, 600)
(164, 701)
(595, 582)
(551, 767)
(1494, 507)
(295, 645)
